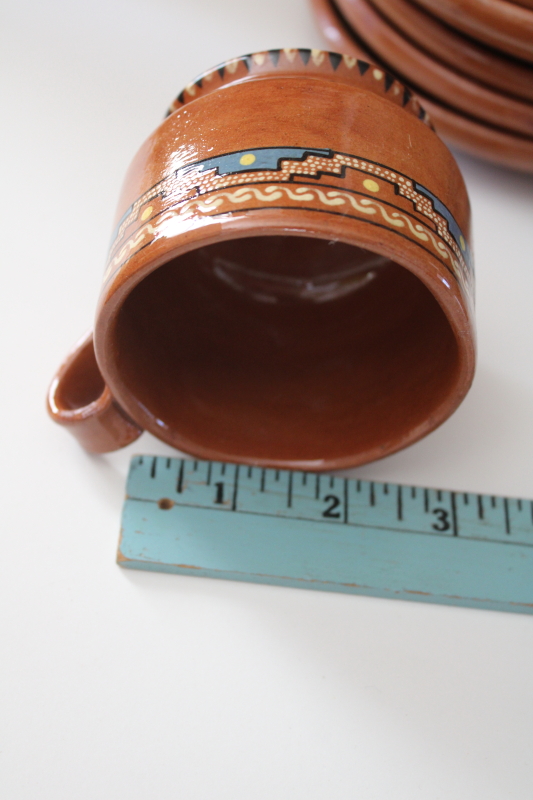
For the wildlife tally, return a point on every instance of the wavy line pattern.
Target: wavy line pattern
(302, 194)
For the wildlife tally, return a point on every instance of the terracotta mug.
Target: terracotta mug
(289, 282)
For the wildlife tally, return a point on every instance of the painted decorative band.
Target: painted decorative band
(315, 179)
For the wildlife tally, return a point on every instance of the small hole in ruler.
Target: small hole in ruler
(165, 503)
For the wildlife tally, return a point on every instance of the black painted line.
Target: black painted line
(179, 486)
(304, 478)
(223, 468)
(480, 509)
(358, 486)
(519, 504)
(399, 504)
(385, 488)
(465, 498)
(372, 494)
(346, 501)
(263, 477)
(506, 515)
(331, 482)
(235, 489)
(426, 500)
(439, 495)
(413, 492)
(493, 501)
(169, 462)
(195, 466)
(277, 475)
(317, 487)
(153, 470)
(289, 491)
(250, 472)
(454, 514)
(387, 528)
(209, 472)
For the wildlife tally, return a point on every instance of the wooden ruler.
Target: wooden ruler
(319, 531)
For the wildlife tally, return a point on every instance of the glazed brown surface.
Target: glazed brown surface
(467, 133)
(296, 289)
(235, 361)
(433, 77)
(79, 399)
(505, 26)
(457, 51)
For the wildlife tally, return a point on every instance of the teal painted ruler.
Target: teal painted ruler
(326, 532)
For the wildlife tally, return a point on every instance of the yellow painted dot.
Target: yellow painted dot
(377, 73)
(146, 213)
(371, 185)
(247, 159)
(462, 242)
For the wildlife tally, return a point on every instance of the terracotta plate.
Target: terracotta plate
(467, 133)
(432, 76)
(457, 51)
(506, 26)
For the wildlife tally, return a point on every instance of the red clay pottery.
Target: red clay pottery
(457, 51)
(432, 76)
(470, 135)
(505, 26)
(289, 282)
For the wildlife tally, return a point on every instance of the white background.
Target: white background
(117, 684)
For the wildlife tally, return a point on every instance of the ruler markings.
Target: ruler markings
(289, 491)
(235, 489)
(399, 503)
(179, 485)
(352, 524)
(420, 544)
(455, 526)
(346, 501)
(506, 514)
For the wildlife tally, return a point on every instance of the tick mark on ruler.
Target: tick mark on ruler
(209, 472)
(413, 492)
(493, 501)
(250, 469)
(289, 492)
(179, 485)
(263, 476)
(465, 499)
(346, 500)
(317, 487)
(454, 514)
(169, 461)
(426, 500)
(235, 489)
(480, 509)
(372, 494)
(399, 504)
(153, 470)
(506, 515)
(304, 478)
(385, 488)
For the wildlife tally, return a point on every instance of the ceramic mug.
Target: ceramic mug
(290, 279)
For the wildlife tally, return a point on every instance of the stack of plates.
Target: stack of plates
(469, 61)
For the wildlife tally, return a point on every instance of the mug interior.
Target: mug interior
(284, 349)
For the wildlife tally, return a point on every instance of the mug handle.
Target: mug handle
(79, 399)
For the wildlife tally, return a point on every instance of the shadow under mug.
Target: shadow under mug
(289, 282)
